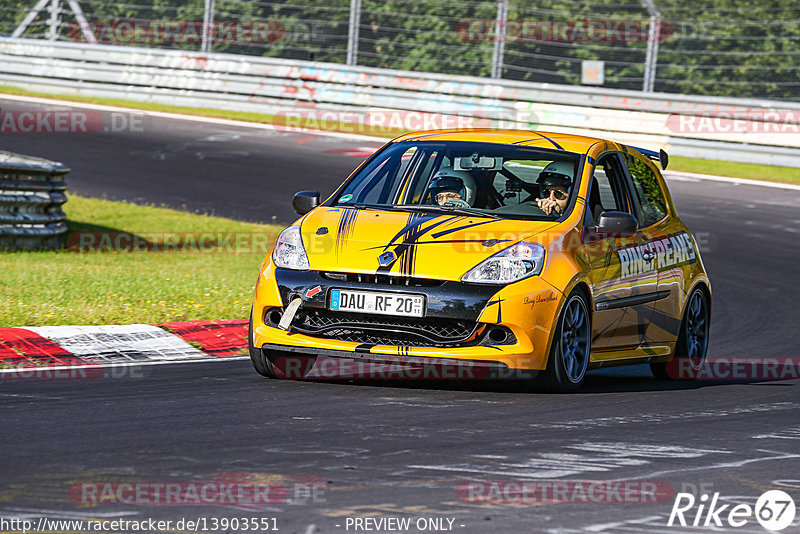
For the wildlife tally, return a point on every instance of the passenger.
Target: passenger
(555, 184)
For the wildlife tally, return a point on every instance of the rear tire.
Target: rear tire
(692, 346)
(570, 348)
(261, 363)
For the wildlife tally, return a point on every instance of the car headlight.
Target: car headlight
(289, 252)
(509, 265)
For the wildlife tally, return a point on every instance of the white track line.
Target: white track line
(93, 365)
(692, 177)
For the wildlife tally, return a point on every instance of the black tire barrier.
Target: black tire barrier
(32, 193)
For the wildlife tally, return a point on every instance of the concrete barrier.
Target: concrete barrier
(742, 130)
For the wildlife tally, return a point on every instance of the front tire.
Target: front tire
(692, 346)
(570, 348)
(261, 363)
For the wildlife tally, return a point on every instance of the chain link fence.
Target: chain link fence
(743, 48)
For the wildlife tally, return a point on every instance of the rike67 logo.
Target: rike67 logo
(774, 510)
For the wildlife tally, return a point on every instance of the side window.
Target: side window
(422, 176)
(651, 198)
(606, 191)
(371, 185)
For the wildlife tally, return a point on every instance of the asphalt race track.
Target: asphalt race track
(381, 449)
(188, 165)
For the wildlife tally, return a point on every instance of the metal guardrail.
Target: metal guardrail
(32, 191)
(273, 86)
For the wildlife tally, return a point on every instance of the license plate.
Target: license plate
(382, 303)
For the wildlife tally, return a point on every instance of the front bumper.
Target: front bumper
(527, 309)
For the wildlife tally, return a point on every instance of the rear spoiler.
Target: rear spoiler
(661, 156)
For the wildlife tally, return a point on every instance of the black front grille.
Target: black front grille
(381, 338)
(383, 279)
(384, 330)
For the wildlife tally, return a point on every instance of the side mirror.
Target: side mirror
(616, 224)
(305, 201)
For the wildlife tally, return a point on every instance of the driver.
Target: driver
(452, 188)
(555, 183)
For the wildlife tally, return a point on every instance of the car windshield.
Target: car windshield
(488, 179)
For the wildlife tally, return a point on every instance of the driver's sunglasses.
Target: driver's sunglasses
(560, 194)
(441, 197)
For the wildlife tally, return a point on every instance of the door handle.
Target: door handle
(648, 256)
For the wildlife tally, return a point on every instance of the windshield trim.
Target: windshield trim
(332, 200)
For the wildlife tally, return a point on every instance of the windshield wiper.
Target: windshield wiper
(421, 207)
(377, 207)
(451, 209)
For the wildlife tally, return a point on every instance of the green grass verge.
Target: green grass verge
(209, 282)
(702, 166)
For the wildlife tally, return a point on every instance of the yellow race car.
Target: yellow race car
(508, 253)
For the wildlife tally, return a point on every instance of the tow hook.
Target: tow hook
(288, 315)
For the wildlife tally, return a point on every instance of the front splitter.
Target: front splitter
(320, 363)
